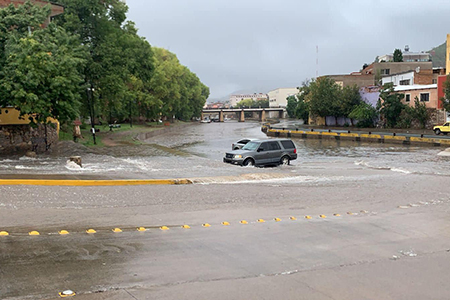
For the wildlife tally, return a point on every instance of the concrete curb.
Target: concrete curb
(45, 182)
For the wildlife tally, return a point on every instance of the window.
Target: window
(404, 82)
(263, 147)
(408, 97)
(274, 146)
(425, 97)
(288, 144)
(385, 71)
(434, 81)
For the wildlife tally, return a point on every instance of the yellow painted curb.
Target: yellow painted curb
(225, 223)
(244, 222)
(323, 216)
(34, 233)
(164, 228)
(308, 217)
(141, 229)
(186, 226)
(337, 215)
(4, 233)
(293, 218)
(117, 230)
(350, 213)
(261, 221)
(91, 231)
(277, 220)
(206, 225)
(63, 232)
(45, 182)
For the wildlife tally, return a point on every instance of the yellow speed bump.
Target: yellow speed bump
(308, 217)
(293, 218)
(164, 228)
(141, 229)
(186, 226)
(4, 233)
(34, 233)
(91, 231)
(117, 230)
(66, 294)
(323, 216)
(63, 232)
(277, 220)
(261, 221)
(225, 223)
(350, 213)
(337, 215)
(206, 225)
(244, 222)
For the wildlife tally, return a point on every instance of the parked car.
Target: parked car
(263, 152)
(445, 129)
(206, 120)
(239, 144)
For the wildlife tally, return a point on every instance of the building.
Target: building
(411, 77)
(407, 56)
(427, 94)
(278, 97)
(236, 98)
(57, 9)
(388, 68)
(355, 78)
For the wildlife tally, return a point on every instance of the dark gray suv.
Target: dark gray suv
(263, 152)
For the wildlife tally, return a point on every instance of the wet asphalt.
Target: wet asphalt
(373, 233)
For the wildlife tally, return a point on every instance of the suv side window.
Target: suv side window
(288, 144)
(274, 146)
(263, 147)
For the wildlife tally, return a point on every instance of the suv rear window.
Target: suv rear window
(288, 144)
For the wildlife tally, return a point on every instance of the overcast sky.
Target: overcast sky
(259, 45)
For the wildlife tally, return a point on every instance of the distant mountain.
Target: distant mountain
(439, 55)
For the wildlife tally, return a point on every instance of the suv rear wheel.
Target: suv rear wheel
(285, 160)
(437, 131)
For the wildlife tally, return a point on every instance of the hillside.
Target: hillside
(439, 55)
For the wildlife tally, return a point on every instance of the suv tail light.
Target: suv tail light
(295, 150)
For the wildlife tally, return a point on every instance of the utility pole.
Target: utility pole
(317, 61)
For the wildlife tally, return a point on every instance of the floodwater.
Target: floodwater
(197, 150)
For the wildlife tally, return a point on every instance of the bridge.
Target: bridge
(240, 112)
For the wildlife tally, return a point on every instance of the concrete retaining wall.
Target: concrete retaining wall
(358, 137)
(22, 138)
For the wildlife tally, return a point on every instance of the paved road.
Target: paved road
(395, 245)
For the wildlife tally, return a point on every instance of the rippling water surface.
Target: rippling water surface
(196, 151)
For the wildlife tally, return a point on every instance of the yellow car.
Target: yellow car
(445, 129)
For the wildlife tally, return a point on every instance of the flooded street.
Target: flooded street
(344, 221)
(196, 150)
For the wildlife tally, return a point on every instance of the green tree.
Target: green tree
(365, 114)
(351, 98)
(420, 112)
(390, 105)
(324, 98)
(40, 74)
(398, 56)
(297, 106)
(446, 100)
(245, 103)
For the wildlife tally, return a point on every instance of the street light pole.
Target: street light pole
(91, 109)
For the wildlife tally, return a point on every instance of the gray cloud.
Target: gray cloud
(261, 45)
